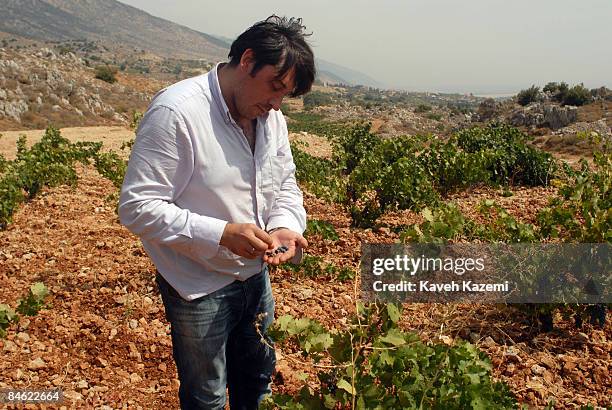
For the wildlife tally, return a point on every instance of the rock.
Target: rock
(582, 337)
(305, 294)
(537, 370)
(135, 378)
(133, 323)
(163, 367)
(82, 384)
(569, 363)
(542, 114)
(558, 117)
(23, 337)
(446, 340)
(37, 364)
(549, 363)
(19, 374)
(599, 127)
(489, 342)
(10, 346)
(13, 109)
(512, 354)
(73, 395)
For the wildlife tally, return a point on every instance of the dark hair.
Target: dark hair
(280, 42)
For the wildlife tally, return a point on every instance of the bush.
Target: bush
(317, 98)
(374, 364)
(422, 108)
(106, 73)
(557, 90)
(531, 94)
(319, 175)
(506, 157)
(323, 228)
(405, 173)
(33, 302)
(577, 95)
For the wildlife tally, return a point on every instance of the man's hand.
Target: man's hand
(292, 240)
(246, 240)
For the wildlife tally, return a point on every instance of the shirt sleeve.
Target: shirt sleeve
(160, 166)
(288, 209)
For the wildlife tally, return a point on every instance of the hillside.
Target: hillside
(126, 28)
(109, 21)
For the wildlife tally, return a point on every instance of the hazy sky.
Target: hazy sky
(480, 46)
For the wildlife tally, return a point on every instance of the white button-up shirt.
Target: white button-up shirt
(191, 171)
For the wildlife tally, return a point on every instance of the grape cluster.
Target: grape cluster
(280, 249)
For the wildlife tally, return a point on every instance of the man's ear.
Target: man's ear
(247, 61)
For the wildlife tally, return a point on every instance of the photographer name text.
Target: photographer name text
(427, 286)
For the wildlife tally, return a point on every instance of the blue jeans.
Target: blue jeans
(216, 344)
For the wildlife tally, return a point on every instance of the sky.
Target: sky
(478, 46)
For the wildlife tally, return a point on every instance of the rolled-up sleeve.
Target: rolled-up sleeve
(288, 209)
(160, 166)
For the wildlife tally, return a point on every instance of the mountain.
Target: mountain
(346, 75)
(107, 21)
(110, 21)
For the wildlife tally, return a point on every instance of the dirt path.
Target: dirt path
(112, 137)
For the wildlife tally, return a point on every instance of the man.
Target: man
(210, 190)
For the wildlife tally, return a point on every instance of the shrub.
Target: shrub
(319, 175)
(531, 94)
(422, 108)
(323, 228)
(577, 95)
(506, 156)
(317, 98)
(374, 364)
(106, 73)
(33, 302)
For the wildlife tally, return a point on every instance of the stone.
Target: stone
(537, 370)
(10, 346)
(37, 364)
(135, 378)
(489, 342)
(512, 354)
(582, 337)
(23, 337)
(558, 117)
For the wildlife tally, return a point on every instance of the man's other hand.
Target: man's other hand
(246, 240)
(285, 237)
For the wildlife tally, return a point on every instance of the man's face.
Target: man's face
(257, 95)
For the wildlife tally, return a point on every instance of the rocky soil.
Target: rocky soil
(104, 339)
(40, 86)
